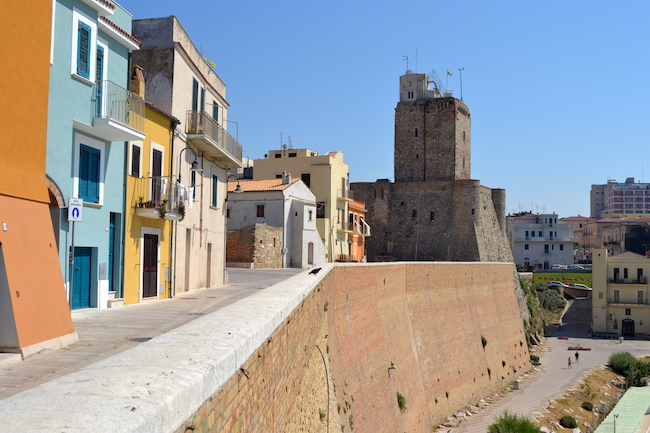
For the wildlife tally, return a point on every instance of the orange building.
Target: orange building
(34, 313)
(360, 230)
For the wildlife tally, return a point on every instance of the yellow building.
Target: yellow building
(620, 294)
(34, 313)
(153, 202)
(328, 178)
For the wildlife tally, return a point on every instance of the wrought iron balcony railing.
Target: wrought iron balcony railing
(221, 145)
(111, 101)
(160, 197)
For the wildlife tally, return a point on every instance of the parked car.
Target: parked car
(580, 286)
(576, 267)
(555, 284)
(558, 267)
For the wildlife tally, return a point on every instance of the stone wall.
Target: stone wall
(259, 244)
(451, 330)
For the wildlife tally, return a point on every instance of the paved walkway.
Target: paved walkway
(104, 333)
(555, 377)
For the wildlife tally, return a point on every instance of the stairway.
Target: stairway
(114, 302)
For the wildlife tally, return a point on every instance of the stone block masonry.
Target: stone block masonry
(451, 330)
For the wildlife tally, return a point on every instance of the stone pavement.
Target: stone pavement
(555, 377)
(106, 332)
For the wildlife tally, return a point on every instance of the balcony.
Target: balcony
(345, 227)
(118, 114)
(627, 302)
(361, 228)
(344, 194)
(205, 133)
(159, 197)
(636, 281)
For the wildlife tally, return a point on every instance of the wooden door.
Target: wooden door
(150, 267)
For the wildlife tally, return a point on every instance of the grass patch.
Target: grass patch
(566, 277)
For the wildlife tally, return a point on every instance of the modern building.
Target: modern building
(180, 82)
(620, 294)
(328, 178)
(92, 115)
(153, 202)
(34, 312)
(272, 223)
(620, 199)
(433, 210)
(540, 240)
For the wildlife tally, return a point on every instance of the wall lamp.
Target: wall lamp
(238, 188)
(195, 163)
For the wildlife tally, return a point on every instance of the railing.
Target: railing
(200, 122)
(119, 104)
(346, 226)
(361, 228)
(345, 193)
(642, 280)
(623, 301)
(347, 258)
(162, 195)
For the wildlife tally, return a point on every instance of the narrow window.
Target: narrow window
(135, 161)
(415, 213)
(561, 247)
(89, 160)
(526, 246)
(311, 215)
(227, 212)
(202, 99)
(83, 50)
(215, 110)
(628, 311)
(416, 132)
(195, 95)
(193, 184)
(260, 211)
(277, 155)
(624, 272)
(215, 185)
(432, 216)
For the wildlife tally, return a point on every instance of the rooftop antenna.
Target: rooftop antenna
(460, 71)
(434, 79)
(290, 145)
(416, 59)
(642, 175)
(407, 61)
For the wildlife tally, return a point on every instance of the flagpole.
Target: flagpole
(460, 70)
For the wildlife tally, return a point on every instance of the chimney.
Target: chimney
(137, 81)
(286, 178)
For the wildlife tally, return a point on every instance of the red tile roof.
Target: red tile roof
(260, 185)
(118, 29)
(107, 4)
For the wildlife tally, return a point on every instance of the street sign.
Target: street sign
(75, 209)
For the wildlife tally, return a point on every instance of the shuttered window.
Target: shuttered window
(215, 185)
(83, 50)
(195, 95)
(89, 160)
(135, 161)
(215, 110)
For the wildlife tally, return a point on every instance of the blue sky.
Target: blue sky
(558, 90)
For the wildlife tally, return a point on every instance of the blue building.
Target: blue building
(91, 117)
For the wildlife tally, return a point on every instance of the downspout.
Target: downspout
(173, 225)
(120, 292)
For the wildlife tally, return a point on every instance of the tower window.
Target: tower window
(416, 132)
(415, 213)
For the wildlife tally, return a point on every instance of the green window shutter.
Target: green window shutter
(215, 184)
(195, 95)
(83, 50)
(215, 110)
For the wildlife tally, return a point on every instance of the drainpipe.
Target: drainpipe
(173, 226)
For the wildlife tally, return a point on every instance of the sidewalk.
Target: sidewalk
(106, 332)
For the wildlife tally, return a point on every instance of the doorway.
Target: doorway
(150, 266)
(627, 328)
(82, 267)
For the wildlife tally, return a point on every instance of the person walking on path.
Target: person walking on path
(570, 362)
(577, 358)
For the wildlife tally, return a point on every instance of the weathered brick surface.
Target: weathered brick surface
(425, 318)
(259, 244)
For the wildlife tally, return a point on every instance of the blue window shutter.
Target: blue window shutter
(195, 95)
(83, 50)
(89, 160)
(215, 110)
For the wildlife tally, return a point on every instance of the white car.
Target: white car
(556, 284)
(580, 286)
(576, 267)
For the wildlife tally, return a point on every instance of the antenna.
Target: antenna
(281, 144)
(290, 145)
(460, 71)
(416, 59)
(407, 61)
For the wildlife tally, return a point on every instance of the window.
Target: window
(215, 186)
(228, 212)
(306, 178)
(540, 234)
(260, 211)
(546, 249)
(84, 33)
(414, 213)
(215, 110)
(617, 296)
(624, 272)
(600, 295)
(293, 155)
(526, 246)
(416, 132)
(561, 247)
(320, 210)
(195, 94)
(193, 184)
(432, 216)
(628, 311)
(639, 296)
(277, 155)
(202, 99)
(135, 160)
(89, 170)
(278, 176)
(311, 215)
(532, 233)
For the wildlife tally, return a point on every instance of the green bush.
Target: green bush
(587, 405)
(622, 362)
(510, 423)
(551, 300)
(567, 421)
(401, 402)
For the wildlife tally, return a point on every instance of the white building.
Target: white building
(539, 240)
(285, 203)
(179, 81)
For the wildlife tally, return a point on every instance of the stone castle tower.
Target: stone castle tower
(432, 133)
(433, 210)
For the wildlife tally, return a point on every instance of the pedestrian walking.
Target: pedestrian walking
(570, 362)
(577, 358)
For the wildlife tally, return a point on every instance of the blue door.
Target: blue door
(82, 266)
(111, 253)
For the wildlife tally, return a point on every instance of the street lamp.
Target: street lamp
(195, 163)
(238, 189)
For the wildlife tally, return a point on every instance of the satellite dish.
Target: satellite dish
(284, 147)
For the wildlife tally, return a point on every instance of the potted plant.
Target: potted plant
(162, 210)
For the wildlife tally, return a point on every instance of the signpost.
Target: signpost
(75, 213)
